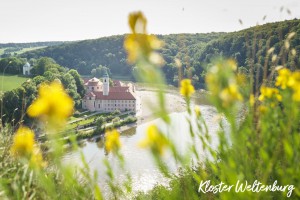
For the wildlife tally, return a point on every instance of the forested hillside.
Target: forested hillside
(240, 45)
(193, 50)
(89, 54)
(12, 49)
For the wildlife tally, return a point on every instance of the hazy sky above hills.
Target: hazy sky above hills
(62, 20)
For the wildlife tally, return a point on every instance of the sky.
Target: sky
(69, 20)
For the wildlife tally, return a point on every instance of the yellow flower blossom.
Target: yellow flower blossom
(137, 22)
(154, 140)
(296, 94)
(139, 43)
(53, 104)
(36, 159)
(294, 80)
(230, 95)
(112, 140)
(23, 142)
(186, 88)
(283, 78)
(197, 111)
(289, 79)
(262, 109)
(294, 83)
(224, 84)
(269, 93)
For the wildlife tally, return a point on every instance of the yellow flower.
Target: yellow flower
(154, 140)
(197, 111)
(112, 140)
(283, 78)
(137, 22)
(53, 104)
(294, 83)
(262, 109)
(36, 159)
(230, 95)
(286, 78)
(186, 88)
(224, 84)
(23, 142)
(269, 93)
(296, 94)
(294, 80)
(252, 100)
(139, 43)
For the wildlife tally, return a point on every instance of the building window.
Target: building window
(92, 88)
(99, 105)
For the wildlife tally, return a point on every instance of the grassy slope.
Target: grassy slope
(11, 81)
(22, 50)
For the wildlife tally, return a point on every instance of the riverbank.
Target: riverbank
(148, 99)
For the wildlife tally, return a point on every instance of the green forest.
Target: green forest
(14, 103)
(193, 50)
(13, 49)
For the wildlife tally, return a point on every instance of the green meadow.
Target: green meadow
(9, 82)
(23, 50)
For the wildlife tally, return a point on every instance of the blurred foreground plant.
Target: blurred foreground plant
(258, 137)
(29, 177)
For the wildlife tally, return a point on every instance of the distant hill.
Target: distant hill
(10, 49)
(194, 50)
(108, 51)
(238, 44)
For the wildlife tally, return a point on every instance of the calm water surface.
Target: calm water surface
(139, 162)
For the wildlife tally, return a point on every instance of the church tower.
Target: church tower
(105, 84)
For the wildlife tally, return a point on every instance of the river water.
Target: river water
(139, 162)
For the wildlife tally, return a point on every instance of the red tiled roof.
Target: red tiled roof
(118, 89)
(115, 96)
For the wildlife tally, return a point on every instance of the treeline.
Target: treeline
(194, 51)
(14, 103)
(84, 56)
(29, 45)
(250, 46)
(12, 65)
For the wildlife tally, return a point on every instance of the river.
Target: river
(139, 162)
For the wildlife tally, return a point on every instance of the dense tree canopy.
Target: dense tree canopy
(12, 65)
(15, 103)
(193, 50)
(86, 56)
